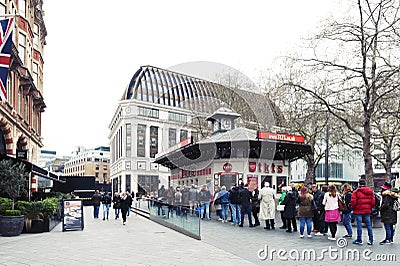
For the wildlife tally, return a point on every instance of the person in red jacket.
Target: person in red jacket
(362, 201)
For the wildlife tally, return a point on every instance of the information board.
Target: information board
(72, 214)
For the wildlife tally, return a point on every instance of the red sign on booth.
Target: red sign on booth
(281, 137)
(227, 167)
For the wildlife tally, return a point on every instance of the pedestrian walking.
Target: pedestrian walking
(124, 206)
(96, 199)
(106, 201)
(267, 206)
(362, 202)
(388, 213)
(332, 213)
(224, 196)
(193, 199)
(116, 204)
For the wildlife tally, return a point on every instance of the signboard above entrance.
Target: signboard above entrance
(281, 137)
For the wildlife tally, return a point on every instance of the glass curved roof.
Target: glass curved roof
(165, 87)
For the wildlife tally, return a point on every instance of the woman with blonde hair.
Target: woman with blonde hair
(332, 213)
(346, 215)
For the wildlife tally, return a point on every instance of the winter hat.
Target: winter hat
(386, 186)
(395, 190)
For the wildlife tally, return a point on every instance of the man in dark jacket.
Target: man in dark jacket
(235, 204)
(96, 198)
(106, 200)
(245, 200)
(362, 201)
(316, 194)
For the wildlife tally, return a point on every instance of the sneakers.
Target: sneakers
(385, 242)
(370, 242)
(319, 234)
(301, 236)
(357, 242)
(309, 236)
(219, 219)
(348, 236)
(331, 238)
(123, 223)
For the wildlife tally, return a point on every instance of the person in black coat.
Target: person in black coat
(116, 204)
(388, 215)
(124, 206)
(289, 211)
(255, 208)
(245, 200)
(323, 226)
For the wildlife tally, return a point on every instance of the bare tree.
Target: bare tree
(362, 72)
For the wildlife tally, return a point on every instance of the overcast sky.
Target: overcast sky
(95, 46)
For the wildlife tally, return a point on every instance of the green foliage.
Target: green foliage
(50, 206)
(22, 206)
(5, 204)
(12, 213)
(13, 178)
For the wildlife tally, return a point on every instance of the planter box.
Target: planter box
(11, 225)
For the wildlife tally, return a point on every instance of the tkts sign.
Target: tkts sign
(265, 168)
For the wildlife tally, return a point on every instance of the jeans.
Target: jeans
(303, 221)
(389, 232)
(116, 211)
(129, 211)
(347, 223)
(96, 209)
(205, 206)
(224, 213)
(106, 210)
(367, 220)
(246, 210)
(235, 208)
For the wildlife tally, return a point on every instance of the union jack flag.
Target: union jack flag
(5, 51)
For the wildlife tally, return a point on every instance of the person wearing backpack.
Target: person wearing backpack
(346, 215)
(388, 214)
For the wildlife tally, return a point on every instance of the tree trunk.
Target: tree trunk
(310, 175)
(369, 172)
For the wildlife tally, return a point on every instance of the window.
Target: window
(128, 146)
(2, 6)
(335, 171)
(183, 135)
(153, 141)
(171, 137)
(149, 112)
(128, 182)
(97, 167)
(177, 117)
(105, 167)
(36, 36)
(141, 139)
(21, 47)
(22, 8)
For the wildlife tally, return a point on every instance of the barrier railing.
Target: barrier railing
(179, 218)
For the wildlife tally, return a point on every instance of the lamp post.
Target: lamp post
(327, 156)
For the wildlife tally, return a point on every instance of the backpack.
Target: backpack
(396, 205)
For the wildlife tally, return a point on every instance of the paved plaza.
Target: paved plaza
(143, 242)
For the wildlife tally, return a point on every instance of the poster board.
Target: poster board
(72, 214)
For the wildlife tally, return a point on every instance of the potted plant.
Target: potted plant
(13, 178)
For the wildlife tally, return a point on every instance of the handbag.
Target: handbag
(342, 204)
(396, 206)
(280, 207)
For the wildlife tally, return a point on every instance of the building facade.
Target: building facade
(159, 110)
(21, 112)
(91, 162)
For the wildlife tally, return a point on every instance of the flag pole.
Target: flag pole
(8, 15)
